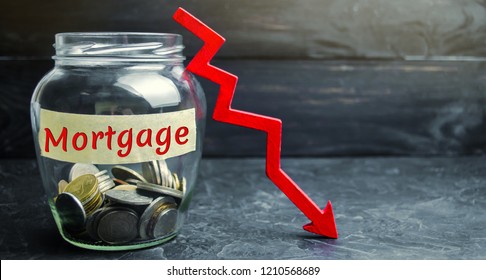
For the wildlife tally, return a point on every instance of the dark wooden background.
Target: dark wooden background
(347, 77)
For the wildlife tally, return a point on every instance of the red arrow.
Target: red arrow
(322, 220)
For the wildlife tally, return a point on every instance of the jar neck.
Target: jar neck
(95, 49)
(87, 62)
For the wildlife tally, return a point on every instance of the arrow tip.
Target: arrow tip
(324, 224)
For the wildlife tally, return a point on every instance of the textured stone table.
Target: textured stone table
(385, 208)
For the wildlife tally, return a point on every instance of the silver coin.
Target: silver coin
(104, 190)
(92, 223)
(103, 178)
(101, 173)
(164, 223)
(118, 226)
(149, 212)
(128, 197)
(133, 181)
(155, 166)
(176, 182)
(79, 169)
(71, 211)
(124, 173)
(159, 189)
(149, 172)
(169, 180)
(105, 186)
(164, 172)
(105, 183)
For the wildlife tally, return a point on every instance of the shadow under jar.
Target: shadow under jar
(118, 126)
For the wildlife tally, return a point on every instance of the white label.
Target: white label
(106, 139)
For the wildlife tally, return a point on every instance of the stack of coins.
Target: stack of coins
(157, 172)
(128, 207)
(113, 225)
(118, 221)
(159, 218)
(85, 188)
(105, 182)
(78, 199)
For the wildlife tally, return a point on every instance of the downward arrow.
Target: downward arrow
(322, 221)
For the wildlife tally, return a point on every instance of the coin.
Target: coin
(119, 182)
(170, 180)
(133, 181)
(79, 169)
(128, 197)
(159, 189)
(165, 174)
(125, 188)
(83, 187)
(158, 178)
(106, 185)
(94, 205)
(61, 186)
(124, 173)
(104, 181)
(91, 200)
(101, 173)
(163, 222)
(177, 184)
(92, 223)
(118, 225)
(149, 172)
(183, 188)
(148, 214)
(103, 178)
(71, 211)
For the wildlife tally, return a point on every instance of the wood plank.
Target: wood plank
(328, 108)
(359, 108)
(264, 29)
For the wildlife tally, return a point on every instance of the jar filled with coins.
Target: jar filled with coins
(118, 126)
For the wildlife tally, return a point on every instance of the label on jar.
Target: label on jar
(107, 139)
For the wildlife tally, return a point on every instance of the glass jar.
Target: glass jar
(118, 126)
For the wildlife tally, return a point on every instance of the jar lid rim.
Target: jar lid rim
(114, 33)
(144, 45)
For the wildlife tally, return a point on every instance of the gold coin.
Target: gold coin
(125, 188)
(89, 203)
(83, 187)
(183, 185)
(99, 202)
(94, 201)
(96, 206)
(91, 198)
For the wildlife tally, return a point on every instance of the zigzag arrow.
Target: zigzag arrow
(322, 221)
